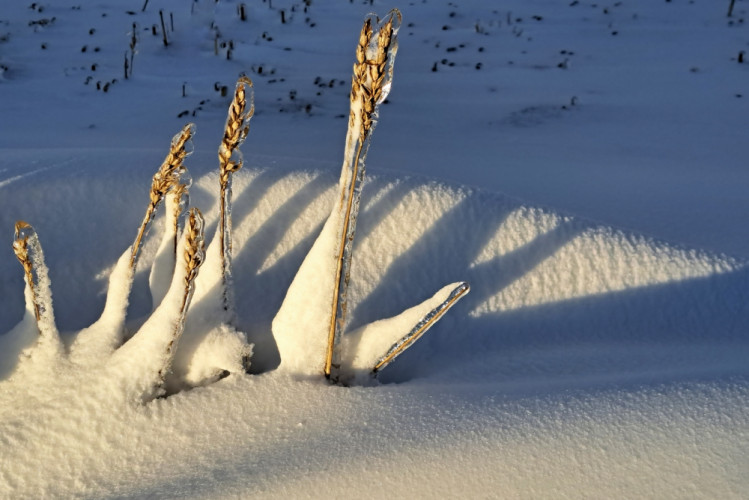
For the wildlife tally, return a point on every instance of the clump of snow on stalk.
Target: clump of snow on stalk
(99, 340)
(369, 349)
(301, 325)
(143, 362)
(209, 346)
(38, 290)
(20, 337)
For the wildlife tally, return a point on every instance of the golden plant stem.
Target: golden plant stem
(141, 233)
(339, 269)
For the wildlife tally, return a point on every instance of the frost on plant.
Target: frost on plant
(189, 339)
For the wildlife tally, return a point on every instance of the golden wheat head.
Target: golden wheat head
(194, 245)
(166, 178)
(236, 129)
(168, 174)
(369, 75)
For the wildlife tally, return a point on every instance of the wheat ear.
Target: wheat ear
(21, 249)
(165, 179)
(230, 160)
(367, 83)
(194, 248)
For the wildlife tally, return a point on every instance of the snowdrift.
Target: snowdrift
(574, 332)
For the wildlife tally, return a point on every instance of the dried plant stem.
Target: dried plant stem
(163, 29)
(165, 179)
(373, 67)
(230, 160)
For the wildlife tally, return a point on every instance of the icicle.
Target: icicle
(93, 344)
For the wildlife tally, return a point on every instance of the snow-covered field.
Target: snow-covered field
(581, 163)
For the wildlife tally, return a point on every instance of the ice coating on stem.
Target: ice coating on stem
(99, 340)
(369, 349)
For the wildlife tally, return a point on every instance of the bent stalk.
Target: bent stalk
(166, 178)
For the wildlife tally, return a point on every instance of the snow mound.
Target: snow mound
(579, 344)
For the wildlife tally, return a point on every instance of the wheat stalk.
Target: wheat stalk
(370, 71)
(163, 180)
(21, 249)
(194, 256)
(237, 127)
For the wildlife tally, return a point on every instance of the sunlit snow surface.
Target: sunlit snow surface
(587, 361)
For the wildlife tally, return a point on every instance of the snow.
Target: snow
(601, 353)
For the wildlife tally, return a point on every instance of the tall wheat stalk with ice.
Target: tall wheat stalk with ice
(317, 298)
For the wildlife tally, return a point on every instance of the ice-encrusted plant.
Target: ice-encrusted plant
(189, 339)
